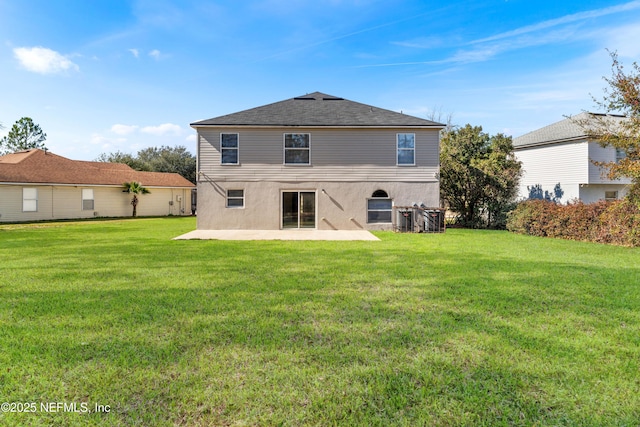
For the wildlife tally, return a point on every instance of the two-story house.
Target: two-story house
(559, 158)
(314, 161)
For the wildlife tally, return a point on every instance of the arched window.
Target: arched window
(379, 208)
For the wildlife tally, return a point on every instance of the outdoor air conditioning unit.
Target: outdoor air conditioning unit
(95, 213)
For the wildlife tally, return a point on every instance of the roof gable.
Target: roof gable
(41, 167)
(569, 129)
(318, 109)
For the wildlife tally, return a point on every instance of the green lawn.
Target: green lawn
(464, 328)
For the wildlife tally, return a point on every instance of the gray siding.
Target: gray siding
(336, 155)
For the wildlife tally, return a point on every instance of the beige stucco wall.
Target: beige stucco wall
(342, 205)
(65, 202)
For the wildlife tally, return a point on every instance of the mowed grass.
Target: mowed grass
(467, 328)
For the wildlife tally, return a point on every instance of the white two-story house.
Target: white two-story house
(559, 158)
(315, 161)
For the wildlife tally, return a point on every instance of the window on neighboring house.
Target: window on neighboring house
(379, 208)
(297, 149)
(406, 144)
(29, 200)
(229, 148)
(610, 195)
(87, 199)
(620, 154)
(235, 198)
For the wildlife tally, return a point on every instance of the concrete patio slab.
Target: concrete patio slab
(277, 235)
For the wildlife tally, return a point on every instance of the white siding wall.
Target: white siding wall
(567, 164)
(65, 202)
(571, 165)
(594, 192)
(601, 154)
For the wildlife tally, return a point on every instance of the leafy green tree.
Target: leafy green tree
(170, 159)
(479, 176)
(24, 135)
(623, 133)
(134, 188)
(157, 159)
(126, 158)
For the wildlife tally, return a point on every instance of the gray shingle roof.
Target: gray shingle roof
(562, 131)
(318, 109)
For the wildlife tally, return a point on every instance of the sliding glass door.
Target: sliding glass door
(298, 209)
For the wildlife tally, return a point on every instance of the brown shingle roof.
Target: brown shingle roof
(40, 167)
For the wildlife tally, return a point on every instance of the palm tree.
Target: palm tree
(134, 188)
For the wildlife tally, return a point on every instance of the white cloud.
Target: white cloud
(163, 129)
(421, 43)
(135, 52)
(155, 53)
(42, 60)
(123, 129)
(589, 14)
(106, 143)
(624, 41)
(550, 32)
(191, 138)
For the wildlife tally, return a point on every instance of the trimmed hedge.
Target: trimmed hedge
(615, 222)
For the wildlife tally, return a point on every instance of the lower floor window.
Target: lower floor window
(87, 199)
(610, 195)
(378, 211)
(235, 198)
(29, 200)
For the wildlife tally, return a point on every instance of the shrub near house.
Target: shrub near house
(616, 222)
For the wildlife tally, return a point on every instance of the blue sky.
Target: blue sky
(114, 75)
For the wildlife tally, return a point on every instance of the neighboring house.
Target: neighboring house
(314, 161)
(39, 185)
(557, 161)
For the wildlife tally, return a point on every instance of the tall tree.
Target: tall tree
(126, 158)
(134, 188)
(157, 159)
(170, 159)
(24, 134)
(622, 97)
(479, 176)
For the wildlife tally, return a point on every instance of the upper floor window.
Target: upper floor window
(620, 154)
(406, 144)
(297, 149)
(29, 200)
(87, 199)
(229, 148)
